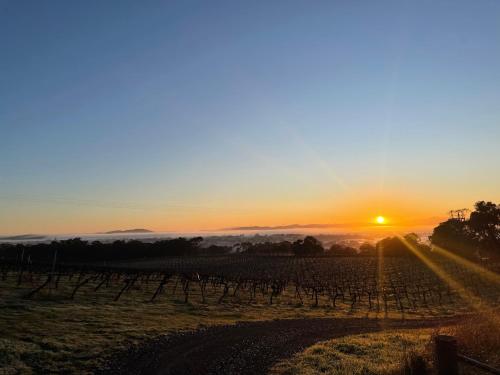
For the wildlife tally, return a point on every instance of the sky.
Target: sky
(197, 115)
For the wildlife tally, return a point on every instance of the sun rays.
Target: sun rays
(487, 274)
(471, 299)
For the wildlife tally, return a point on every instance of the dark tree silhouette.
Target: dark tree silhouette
(338, 250)
(367, 249)
(484, 223)
(474, 237)
(76, 250)
(392, 246)
(268, 248)
(307, 246)
(454, 234)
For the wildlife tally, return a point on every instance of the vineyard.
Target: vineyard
(375, 284)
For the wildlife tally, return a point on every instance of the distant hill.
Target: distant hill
(23, 237)
(139, 230)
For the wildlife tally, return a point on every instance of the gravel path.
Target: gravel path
(245, 348)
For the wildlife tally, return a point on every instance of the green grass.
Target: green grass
(374, 353)
(385, 353)
(52, 333)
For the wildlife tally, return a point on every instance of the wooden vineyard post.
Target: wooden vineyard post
(446, 355)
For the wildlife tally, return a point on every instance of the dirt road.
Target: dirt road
(245, 348)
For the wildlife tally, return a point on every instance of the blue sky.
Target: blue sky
(189, 115)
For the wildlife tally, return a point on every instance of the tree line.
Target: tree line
(473, 237)
(78, 250)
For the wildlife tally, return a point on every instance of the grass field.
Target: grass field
(386, 353)
(374, 353)
(53, 333)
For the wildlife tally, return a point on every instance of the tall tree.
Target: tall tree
(476, 236)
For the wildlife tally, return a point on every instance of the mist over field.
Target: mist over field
(220, 238)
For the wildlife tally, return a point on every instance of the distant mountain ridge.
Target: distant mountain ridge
(23, 237)
(137, 230)
(290, 226)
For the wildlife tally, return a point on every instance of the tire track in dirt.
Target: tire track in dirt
(247, 348)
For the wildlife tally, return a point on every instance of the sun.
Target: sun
(380, 220)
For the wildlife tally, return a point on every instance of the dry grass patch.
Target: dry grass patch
(478, 336)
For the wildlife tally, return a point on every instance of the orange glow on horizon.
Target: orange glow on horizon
(350, 212)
